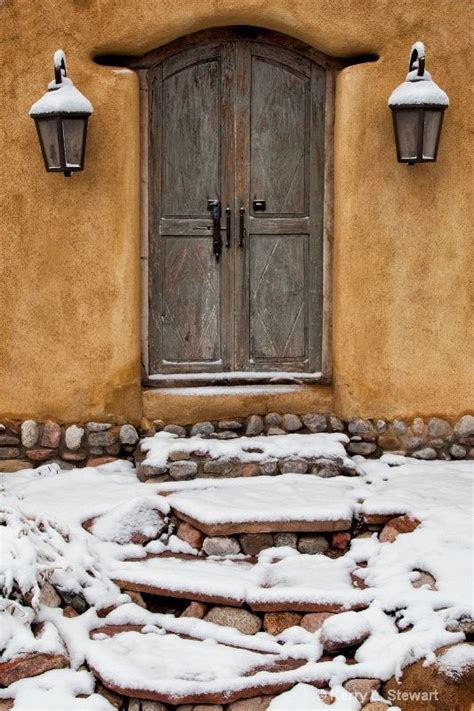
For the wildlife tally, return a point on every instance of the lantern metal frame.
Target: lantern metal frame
(420, 158)
(58, 117)
(67, 168)
(417, 62)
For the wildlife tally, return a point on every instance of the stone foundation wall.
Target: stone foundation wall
(29, 443)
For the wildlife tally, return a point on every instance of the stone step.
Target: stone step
(165, 667)
(167, 457)
(268, 526)
(279, 581)
(288, 503)
(28, 665)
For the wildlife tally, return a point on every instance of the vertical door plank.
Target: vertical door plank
(242, 191)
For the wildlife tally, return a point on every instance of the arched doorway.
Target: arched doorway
(238, 134)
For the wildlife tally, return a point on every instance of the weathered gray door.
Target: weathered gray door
(242, 123)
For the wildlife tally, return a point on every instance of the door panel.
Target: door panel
(191, 139)
(278, 313)
(191, 301)
(279, 117)
(236, 121)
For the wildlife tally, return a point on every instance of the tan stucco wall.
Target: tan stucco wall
(69, 249)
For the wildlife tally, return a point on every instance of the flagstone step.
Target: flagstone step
(28, 665)
(282, 580)
(288, 503)
(173, 670)
(269, 526)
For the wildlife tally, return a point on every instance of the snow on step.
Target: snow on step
(190, 627)
(309, 583)
(283, 579)
(290, 502)
(167, 668)
(248, 449)
(224, 582)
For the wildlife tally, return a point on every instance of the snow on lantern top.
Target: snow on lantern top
(62, 96)
(418, 89)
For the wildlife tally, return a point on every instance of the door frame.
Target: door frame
(142, 65)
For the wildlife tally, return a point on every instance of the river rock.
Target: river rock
(347, 629)
(29, 433)
(317, 423)
(313, 544)
(49, 596)
(439, 428)
(183, 470)
(242, 620)
(362, 688)
(73, 436)
(458, 451)
(178, 430)
(51, 435)
(285, 539)
(254, 543)
(221, 545)
(190, 535)
(313, 621)
(275, 622)
(292, 423)
(465, 426)
(195, 609)
(425, 453)
(363, 448)
(453, 693)
(256, 703)
(254, 426)
(128, 434)
(98, 426)
(360, 427)
(204, 429)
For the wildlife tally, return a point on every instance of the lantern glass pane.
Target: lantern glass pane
(48, 130)
(407, 125)
(73, 133)
(431, 126)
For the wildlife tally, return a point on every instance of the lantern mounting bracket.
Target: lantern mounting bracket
(417, 59)
(59, 62)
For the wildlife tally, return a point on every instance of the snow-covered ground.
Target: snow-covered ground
(42, 538)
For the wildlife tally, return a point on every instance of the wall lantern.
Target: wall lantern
(61, 117)
(418, 107)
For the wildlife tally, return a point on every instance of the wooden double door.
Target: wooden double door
(236, 161)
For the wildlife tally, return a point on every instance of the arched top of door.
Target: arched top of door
(247, 33)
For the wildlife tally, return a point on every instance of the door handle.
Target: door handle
(214, 206)
(242, 226)
(227, 225)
